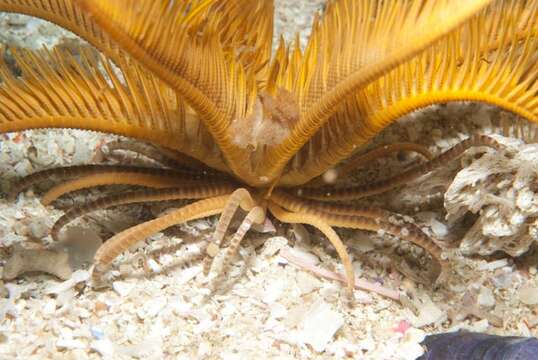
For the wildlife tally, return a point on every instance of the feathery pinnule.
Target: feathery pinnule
(463, 66)
(347, 51)
(216, 84)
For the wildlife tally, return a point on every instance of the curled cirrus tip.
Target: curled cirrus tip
(463, 345)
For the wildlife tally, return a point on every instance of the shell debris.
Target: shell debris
(319, 325)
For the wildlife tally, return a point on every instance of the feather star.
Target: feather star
(237, 126)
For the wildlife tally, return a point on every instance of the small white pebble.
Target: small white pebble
(410, 351)
(485, 297)
(204, 326)
(70, 344)
(492, 265)
(429, 313)
(438, 228)
(330, 176)
(517, 219)
(414, 335)
(480, 326)
(188, 274)
(201, 225)
(528, 295)
(166, 259)
(181, 308)
(319, 325)
(49, 307)
(97, 332)
(307, 282)
(204, 349)
(105, 347)
(273, 245)
(304, 255)
(19, 215)
(152, 307)
(273, 291)
(154, 266)
(278, 311)
(367, 344)
(38, 228)
(123, 288)
(525, 199)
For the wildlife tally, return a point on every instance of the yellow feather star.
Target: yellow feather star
(237, 127)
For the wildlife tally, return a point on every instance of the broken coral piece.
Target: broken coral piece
(54, 262)
(60, 259)
(499, 189)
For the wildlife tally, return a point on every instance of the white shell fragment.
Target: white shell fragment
(70, 343)
(428, 312)
(410, 348)
(410, 351)
(7, 306)
(485, 297)
(104, 347)
(55, 262)
(273, 245)
(76, 278)
(492, 265)
(319, 325)
(123, 288)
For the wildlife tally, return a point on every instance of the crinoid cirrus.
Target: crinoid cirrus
(237, 127)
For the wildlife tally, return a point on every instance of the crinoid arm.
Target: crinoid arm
(490, 59)
(315, 221)
(45, 175)
(68, 15)
(363, 218)
(123, 240)
(213, 54)
(140, 196)
(381, 151)
(353, 44)
(165, 157)
(403, 231)
(142, 176)
(303, 205)
(239, 198)
(357, 192)
(58, 90)
(86, 176)
(209, 70)
(255, 216)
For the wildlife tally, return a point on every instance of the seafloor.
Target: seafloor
(271, 306)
